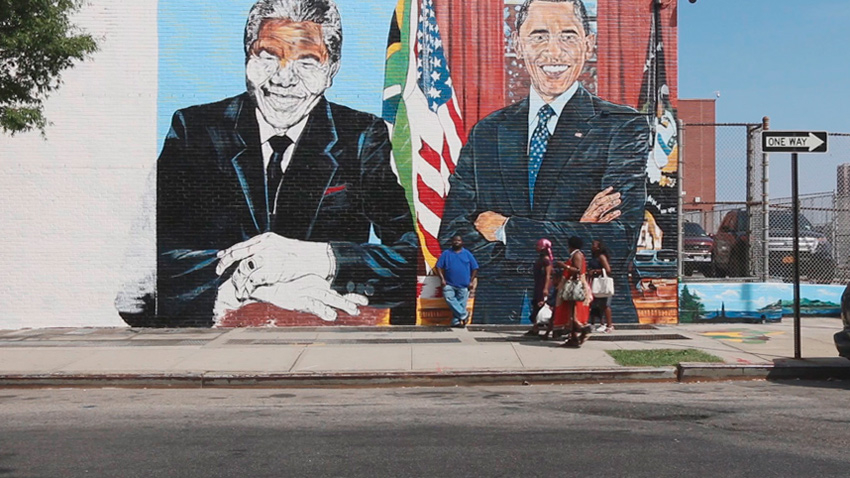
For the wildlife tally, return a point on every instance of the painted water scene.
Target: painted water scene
(754, 302)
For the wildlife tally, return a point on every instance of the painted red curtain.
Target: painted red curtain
(475, 41)
(623, 29)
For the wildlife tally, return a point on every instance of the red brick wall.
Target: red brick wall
(698, 171)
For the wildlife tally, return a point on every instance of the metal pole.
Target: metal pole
(765, 205)
(751, 164)
(795, 210)
(680, 243)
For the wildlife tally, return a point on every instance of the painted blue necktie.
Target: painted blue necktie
(537, 148)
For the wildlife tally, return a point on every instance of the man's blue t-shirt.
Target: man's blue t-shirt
(457, 267)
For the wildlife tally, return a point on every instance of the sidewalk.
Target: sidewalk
(400, 356)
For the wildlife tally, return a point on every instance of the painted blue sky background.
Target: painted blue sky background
(779, 58)
(201, 56)
(752, 296)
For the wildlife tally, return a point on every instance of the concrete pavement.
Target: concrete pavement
(399, 356)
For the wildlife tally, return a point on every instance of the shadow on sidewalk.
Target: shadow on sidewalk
(831, 372)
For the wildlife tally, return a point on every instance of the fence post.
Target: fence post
(833, 236)
(765, 205)
(753, 253)
(680, 242)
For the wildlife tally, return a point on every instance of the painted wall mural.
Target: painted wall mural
(279, 206)
(758, 302)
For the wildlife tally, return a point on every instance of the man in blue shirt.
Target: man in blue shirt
(458, 270)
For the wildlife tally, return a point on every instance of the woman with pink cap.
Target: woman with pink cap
(542, 283)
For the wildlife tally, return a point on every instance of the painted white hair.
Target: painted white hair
(321, 12)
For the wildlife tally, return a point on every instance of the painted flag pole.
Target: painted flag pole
(662, 165)
(420, 108)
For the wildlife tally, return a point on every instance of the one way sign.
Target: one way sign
(794, 141)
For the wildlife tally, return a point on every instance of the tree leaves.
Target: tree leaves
(37, 43)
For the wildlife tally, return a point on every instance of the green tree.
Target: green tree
(37, 42)
(690, 306)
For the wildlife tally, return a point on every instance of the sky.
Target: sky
(786, 59)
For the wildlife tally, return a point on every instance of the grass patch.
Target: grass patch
(660, 357)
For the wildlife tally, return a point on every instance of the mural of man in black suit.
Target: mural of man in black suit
(560, 163)
(272, 196)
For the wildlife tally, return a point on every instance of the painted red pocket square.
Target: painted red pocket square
(334, 189)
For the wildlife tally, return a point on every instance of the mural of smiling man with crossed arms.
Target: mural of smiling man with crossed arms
(560, 163)
(270, 196)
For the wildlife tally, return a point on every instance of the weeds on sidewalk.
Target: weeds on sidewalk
(660, 357)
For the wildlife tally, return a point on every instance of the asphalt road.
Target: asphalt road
(748, 429)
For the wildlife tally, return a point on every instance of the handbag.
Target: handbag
(573, 290)
(602, 286)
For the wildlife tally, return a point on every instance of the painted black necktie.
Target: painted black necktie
(537, 148)
(274, 174)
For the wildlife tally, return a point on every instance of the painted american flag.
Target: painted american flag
(421, 108)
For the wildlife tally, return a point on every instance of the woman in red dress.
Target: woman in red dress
(573, 315)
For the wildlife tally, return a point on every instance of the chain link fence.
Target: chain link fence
(819, 253)
(839, 223)
(723, 171)
(732, 228)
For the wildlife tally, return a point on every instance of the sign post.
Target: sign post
(795, 142)
(795, 210)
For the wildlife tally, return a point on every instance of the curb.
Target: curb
(784, 370)
(442, 379)
(684, 372)
(99, 380)
(339, 380)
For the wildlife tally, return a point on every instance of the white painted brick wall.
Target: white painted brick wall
(69, 202)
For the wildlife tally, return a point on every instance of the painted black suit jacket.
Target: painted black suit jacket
(596, 144)
(339, 184)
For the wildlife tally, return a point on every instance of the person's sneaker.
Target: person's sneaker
(601, 328)
(608, 330)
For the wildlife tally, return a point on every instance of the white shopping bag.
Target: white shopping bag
(602, 286)
(544, 315)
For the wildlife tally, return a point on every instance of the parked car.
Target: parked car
(699, 248)
(842, 339)
(731, 247)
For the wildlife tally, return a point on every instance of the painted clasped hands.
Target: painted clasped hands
(603, 207)
(288, 273)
